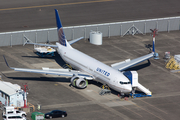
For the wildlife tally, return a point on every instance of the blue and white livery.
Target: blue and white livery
(86, 67)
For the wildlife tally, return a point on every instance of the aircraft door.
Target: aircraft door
(114, 81)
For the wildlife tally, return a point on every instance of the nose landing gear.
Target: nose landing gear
(123, 96)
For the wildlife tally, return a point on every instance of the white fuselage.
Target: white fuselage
(100, 71)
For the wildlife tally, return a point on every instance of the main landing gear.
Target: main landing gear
(124, 96)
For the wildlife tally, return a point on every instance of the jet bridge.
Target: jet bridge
(133, 77)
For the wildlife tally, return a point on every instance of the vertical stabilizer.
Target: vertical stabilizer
(61, 35)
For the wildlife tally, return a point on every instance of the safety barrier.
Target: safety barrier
(108, 30)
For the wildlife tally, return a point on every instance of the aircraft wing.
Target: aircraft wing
(59, 72)
(28, 41)
(129, 63)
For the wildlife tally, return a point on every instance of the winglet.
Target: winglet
(7, 62)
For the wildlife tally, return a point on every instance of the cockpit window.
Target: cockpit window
(124, 82)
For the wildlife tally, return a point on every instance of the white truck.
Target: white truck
(12, 110)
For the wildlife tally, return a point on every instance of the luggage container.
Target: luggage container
(37, 116)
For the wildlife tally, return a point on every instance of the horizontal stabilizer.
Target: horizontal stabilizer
(75, 40)
(28, 41)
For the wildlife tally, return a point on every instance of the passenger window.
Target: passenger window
(10, 112)
(17, 112)
(13, 117)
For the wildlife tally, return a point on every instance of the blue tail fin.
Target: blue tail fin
(61, 35)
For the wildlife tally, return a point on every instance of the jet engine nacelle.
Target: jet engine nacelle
(79, 82)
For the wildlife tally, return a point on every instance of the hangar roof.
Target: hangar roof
(9, 88)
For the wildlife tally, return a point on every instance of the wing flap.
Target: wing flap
(68, 74)
(59, 72)
(28, 41)
(129, 63)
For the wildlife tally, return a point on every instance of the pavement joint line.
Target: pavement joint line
(129, 109)
(118, 55)
(10, 71)
(99, 103)
(17, 59)
(69, 104)
(153, 106)
(28, 49)
(124, 116)
(118, 104)
(164, 95)
(163, 69)
(121, 49)
(147, 111)
(62, 4)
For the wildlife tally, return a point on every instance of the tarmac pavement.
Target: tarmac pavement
(53, 92)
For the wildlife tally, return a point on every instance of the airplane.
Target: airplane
(86, 68)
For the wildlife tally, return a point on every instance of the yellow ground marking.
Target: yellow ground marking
(63, 4)
(28, 49)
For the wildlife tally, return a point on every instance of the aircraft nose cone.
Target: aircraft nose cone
(129, 88)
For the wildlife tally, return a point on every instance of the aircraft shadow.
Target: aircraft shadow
(52, 57)
(56, 57)
(59, 60)
(50, 79)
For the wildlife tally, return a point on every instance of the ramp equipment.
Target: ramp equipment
(44, 51)
(67, 66)
(105, 90)
(172, 64)
(139, 95)
(41, 51)
(133, 77)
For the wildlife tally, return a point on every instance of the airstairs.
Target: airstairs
(133, 77)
